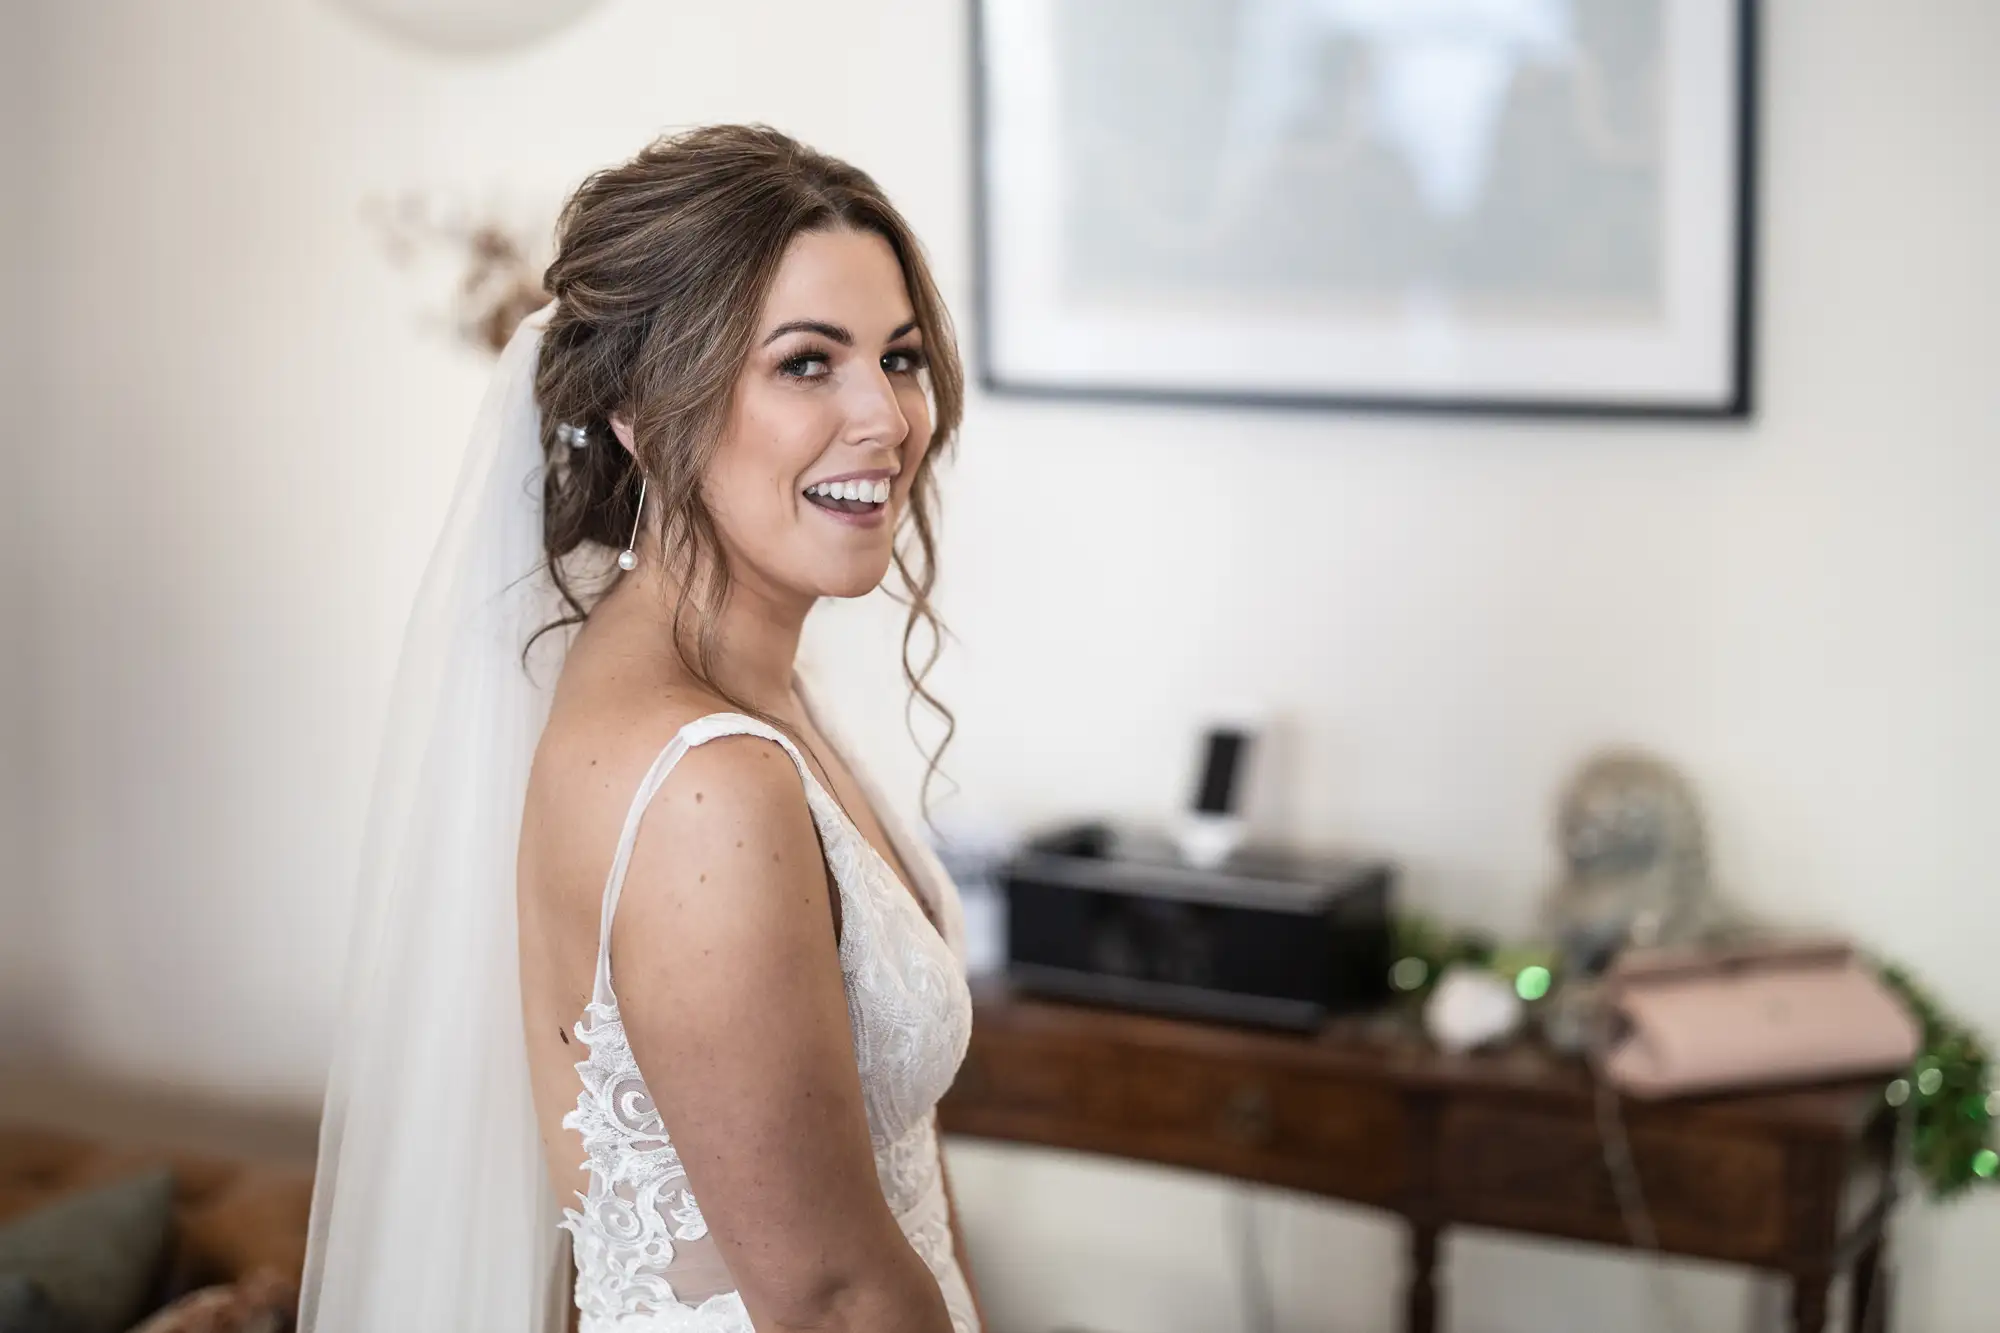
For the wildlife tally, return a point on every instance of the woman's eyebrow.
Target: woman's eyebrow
(831, 332)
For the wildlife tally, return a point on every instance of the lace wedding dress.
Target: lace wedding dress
(436, 935)
(639, 1238)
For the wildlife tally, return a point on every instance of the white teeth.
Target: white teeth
(875, 492)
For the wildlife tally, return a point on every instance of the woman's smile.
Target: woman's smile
(859, 499)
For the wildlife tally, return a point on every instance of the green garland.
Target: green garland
(1424, 948)
(1957, 1102)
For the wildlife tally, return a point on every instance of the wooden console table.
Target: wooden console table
(1791, 1182)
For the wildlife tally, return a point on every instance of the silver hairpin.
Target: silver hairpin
(576, 437)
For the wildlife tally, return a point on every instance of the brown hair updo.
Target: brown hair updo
(661, 270)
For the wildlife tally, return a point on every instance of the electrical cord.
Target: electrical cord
(1631, 1197)
(1253, 1282)
(1631, 1194)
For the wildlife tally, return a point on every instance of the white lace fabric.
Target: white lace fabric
(640, 1231)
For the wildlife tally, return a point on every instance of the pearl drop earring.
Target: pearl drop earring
(576, 437)
(628, 559)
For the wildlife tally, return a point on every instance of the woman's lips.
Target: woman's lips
(872, 517)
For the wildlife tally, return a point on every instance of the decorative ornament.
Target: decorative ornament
(1469, 1008)
(497, 259)
(1635, 873)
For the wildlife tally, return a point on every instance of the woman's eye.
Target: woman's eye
(805, 366)
(903, 361)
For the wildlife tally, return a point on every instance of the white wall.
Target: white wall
(235, 441)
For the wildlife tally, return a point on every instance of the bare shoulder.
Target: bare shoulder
(728, 855)
(591, 758)
(594, 755)
(726, 864)
(731, 785)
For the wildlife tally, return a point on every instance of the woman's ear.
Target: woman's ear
(621, 426)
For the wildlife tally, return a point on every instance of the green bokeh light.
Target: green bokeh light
(1409, 973)
(1532, 983)
(1985, 1162)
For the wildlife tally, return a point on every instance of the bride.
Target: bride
(634, 931)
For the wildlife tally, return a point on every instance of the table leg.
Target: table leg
(1809, 1300)
(1868, 1292)
(1420, 1310)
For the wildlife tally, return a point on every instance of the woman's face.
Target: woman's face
(827, 424)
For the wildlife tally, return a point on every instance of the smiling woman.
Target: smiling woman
(739, 389)
(832, 398)
(730, 287)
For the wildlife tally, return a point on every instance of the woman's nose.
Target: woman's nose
(874, 411)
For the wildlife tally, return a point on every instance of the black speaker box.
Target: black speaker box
(1268, 937)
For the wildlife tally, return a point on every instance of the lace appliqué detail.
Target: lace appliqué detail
(623, 1237)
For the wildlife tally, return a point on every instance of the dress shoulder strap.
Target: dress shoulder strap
(701, 730)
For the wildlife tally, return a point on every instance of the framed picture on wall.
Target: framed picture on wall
(1519, 206)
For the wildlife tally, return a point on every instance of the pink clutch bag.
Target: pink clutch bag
(1688, 1021)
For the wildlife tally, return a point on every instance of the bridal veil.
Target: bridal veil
(432, 1208)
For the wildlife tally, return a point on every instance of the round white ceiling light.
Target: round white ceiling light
(468, 25)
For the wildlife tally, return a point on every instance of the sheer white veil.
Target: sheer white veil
(432, 1207)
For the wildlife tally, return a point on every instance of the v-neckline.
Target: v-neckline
(913, 892)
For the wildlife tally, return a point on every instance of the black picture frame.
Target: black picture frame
(1737, 404)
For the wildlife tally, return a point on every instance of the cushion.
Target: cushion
(256, 1220)
(264, 1302)
(26, 1308)
(95, 1254)
(232, 1216)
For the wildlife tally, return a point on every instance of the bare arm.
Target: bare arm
(729, 980)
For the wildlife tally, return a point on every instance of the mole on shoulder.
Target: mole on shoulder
(563, 1035)
(703, 879)
(739, 842)
(697, 798)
